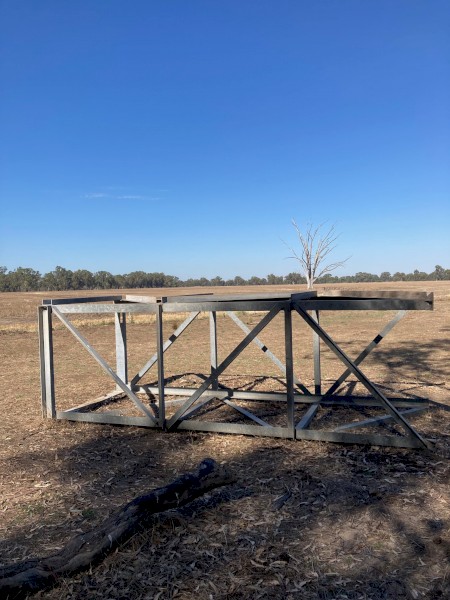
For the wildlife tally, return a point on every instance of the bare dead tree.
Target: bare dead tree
(316, 246)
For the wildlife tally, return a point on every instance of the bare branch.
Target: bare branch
(315, 246)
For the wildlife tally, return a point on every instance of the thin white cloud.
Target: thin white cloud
(96, 195)
(109, 196)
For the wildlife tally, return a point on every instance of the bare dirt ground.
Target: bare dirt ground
(303, 520)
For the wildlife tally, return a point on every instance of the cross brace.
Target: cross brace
(371, 388)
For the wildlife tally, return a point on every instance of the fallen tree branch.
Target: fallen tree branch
(18, 580)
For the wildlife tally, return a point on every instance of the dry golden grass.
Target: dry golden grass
(304, 520)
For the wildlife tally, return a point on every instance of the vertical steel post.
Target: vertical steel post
(289, 369)
(46, 362)
(213, 346)
(160, 354)
(121, 346)
(316, 350)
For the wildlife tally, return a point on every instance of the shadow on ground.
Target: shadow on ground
(303, 520)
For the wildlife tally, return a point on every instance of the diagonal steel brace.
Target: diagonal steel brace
(175, 335)
(223, 365)
(373, 344)
(371, 388)
(104, 365)
(268, 352)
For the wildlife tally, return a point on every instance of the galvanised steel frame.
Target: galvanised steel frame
(191, 401)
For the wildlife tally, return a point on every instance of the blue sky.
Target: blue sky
(184, 135)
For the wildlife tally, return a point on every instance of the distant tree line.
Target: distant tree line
(24, 279)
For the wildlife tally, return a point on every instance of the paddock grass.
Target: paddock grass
(304, 519)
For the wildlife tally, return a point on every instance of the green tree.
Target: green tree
(62, 278)
(24, 280)
(104, 280)
(138, 279)
(439, 273)
(4, 279)
(294, 278)
(83, 280)
(362, 277)
(48, 282)
(398, 276)
(417, 276)
(274, 279)
(171, 281)
(238, 280)
(121, 281)
(217, 281)
(328, 278)
(257, 280)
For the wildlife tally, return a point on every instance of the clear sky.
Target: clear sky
(184, 135)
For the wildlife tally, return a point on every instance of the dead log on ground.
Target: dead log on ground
(18, 580)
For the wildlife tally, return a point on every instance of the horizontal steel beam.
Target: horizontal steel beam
(240, 305)
(237, 428)
(144, 299)
(350, 401)
(281, 295)
(364, 304)
(136, 308)
(78, 300)
(375, 294)
(358, 438)
(106, 418)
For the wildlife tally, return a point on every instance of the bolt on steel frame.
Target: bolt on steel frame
(190, 402)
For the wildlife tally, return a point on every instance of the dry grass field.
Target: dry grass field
(353, 522)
